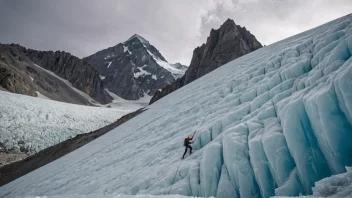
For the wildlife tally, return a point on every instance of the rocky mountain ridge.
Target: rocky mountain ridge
(134, 69)
(56, 75)
(223, 45)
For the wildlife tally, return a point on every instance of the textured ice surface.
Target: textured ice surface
(335, 186)
(276, 121)
(30, 124)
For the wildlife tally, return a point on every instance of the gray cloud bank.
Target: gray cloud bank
(175, 27)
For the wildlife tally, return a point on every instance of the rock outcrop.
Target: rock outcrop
(13, 81)
(223, 45)
(134, 69)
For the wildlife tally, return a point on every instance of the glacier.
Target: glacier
(29, 125)
(270, 123)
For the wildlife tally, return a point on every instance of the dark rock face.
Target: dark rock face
(11, 78)
(22, 71)
(134, 69)
(223, 45)
(17, 169)
(15, 82)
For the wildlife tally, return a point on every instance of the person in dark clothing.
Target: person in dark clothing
(187, 145)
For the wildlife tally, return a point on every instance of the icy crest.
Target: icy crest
(275, 121)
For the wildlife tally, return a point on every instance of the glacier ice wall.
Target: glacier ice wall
(275, 121)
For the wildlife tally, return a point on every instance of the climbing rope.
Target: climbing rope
(174, 177)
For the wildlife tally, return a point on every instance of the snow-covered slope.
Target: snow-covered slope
(275, 121)
(29, 124)
(128, 105)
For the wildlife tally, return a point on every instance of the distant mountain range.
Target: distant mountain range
(132, 70)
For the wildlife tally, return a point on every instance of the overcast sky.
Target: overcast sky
(175, 27)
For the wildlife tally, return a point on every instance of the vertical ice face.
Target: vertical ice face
(272, 122)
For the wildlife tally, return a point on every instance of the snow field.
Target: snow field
(127, 105)
(275, 122)
(29, 124)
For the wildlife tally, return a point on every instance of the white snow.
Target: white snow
(168, 66)
(125, 49)
(102, 77)
(40, 95)
(276, 121)
(109, 63)
(33, 124)
(141, 72)
(109, 56)
(127, 105)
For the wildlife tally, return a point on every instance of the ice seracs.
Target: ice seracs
(276, 121)
(30, 124)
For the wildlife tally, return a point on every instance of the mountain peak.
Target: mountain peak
(229, 21)
(140, 38)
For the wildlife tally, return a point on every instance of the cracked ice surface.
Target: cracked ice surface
(276, 121)
(29, 124)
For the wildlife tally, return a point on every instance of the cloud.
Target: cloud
(83, 27)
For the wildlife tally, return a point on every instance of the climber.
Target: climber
(187, 143)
